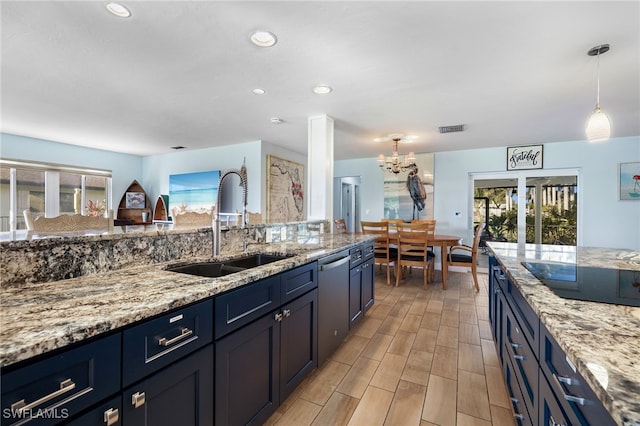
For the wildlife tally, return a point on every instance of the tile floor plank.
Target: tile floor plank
(373, 407)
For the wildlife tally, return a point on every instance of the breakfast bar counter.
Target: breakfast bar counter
(602, 340)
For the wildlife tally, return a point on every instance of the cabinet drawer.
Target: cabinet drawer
(525, 365)
(369, 253)
(527, 319)
(241, 306)
(357, 254)
(157, 343)
(298, 281)
(59, 387)
(574, 395)
(519, 407)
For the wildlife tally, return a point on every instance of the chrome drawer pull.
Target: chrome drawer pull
(552, 422)
(278, 317)
(138, 399)
(286, 313)
(516, 345)
(111, 416)
(184, 332)
(577, 400)
(519, 417)
(515, 400)
(65, 386)
(519, 358)
(567, 380)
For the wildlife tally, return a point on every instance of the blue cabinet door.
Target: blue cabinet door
(368, 286)
(355, 296)
(247, 370)
(181, 394)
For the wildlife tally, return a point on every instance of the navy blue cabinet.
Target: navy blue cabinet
(361, 284)
(544, 385)
(259, 364)
(57, 388)
(108, 413)
(180, 394)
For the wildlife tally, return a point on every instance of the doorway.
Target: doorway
(346, 203)
(546, 213)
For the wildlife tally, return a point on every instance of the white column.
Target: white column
(320, 168)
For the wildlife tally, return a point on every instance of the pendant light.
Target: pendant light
(598, 127)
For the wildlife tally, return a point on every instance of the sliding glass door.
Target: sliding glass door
(536, 206)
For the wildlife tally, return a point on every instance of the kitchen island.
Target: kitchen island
(601, 340)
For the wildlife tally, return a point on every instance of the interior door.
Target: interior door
(346, 205)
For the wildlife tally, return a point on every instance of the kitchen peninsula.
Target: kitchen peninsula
(101, 312)
(575, 341)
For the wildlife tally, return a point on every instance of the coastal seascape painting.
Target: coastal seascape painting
(629, 181)
(193, 191)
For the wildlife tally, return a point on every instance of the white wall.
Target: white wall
(606, 221)
(157, 168)
(125, 167)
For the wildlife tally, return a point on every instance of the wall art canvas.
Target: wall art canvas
(629, 181)
(193, 191)
(135, 200)
(524, 157)
(401, 200)
(285, 190)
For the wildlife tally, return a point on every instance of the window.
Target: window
(50, 190)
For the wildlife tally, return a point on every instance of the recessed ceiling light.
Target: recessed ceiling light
(259, 91)
(118, 10)
(263, 38)
(276, 120)
(322, 89)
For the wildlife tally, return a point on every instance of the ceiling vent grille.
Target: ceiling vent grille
(450, 129)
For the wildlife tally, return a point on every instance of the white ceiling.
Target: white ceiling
(181, 72)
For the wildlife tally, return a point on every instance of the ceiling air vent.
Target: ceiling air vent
(178, 147)
(449, 129)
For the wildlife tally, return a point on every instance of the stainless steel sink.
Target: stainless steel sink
(219, 269)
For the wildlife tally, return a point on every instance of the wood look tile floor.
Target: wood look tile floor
(417, 358)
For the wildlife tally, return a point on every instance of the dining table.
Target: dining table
(440, 240)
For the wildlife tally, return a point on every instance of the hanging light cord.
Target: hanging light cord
(598, 91)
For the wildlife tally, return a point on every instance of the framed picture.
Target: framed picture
(135, 200)
(285, 190)
(193, 191)
(629, 181)
(524, 157)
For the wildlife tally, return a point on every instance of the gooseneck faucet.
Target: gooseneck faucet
(216, 218)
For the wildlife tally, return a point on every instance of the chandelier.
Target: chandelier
(394, 164)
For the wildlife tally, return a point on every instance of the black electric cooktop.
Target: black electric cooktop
(616, 286)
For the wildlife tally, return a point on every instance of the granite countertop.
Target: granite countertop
(42, 317)
(602, 340)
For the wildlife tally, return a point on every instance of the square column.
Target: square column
(320, 168)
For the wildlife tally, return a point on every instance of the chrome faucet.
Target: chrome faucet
(216, 218)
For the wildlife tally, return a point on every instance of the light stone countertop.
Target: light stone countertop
(43, 317)
(602, 340)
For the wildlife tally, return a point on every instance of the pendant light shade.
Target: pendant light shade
(598, 126)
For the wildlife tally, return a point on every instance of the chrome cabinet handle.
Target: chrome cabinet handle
(65, 386)
(519, 358)
(515, 400)
(278, 317)
(552, 422)
(184, 332)
(577, 400)
(567, 380)
(570, 398)
(286, 313)
(519, 417)
(111, 416)
(516, 345)
(138, 399)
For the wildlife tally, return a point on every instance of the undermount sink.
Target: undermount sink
(219, 269)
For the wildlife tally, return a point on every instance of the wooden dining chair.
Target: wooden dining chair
(467, 256)
(384, 253)
(341, 226)
(413, 250)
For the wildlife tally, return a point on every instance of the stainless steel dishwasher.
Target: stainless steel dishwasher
(333, 303)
